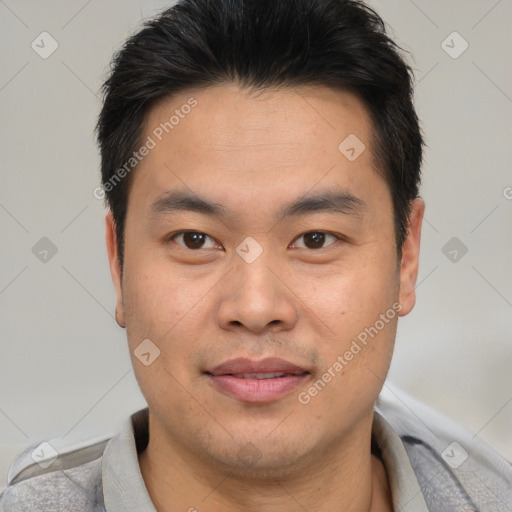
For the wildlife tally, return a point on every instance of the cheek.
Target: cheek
(167, 306)
(352, 293)
(164, 310)
(152, 290)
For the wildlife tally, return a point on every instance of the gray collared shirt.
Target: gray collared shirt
(429, 470)
(124, 489)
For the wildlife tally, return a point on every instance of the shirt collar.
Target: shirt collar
(124, 489)
(405, 489)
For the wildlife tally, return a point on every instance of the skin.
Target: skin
(254, 153)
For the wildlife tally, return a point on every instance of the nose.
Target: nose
(256, 296)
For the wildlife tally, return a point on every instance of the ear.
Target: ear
(410, 258)
(115, 266)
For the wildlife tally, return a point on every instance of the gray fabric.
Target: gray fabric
(483, 482)
(405, 488)
(78, 489)
(105, 476)
(123, 485)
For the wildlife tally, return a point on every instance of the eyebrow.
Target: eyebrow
(335, 201)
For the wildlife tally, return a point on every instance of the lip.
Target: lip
(224, 379)
(268, 365)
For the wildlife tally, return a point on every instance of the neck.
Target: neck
(344, 477)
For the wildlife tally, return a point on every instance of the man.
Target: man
(261, 162)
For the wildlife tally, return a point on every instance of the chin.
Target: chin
(253, 466)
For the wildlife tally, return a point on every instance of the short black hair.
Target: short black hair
(263, 44)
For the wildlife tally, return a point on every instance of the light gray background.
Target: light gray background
(64, 366)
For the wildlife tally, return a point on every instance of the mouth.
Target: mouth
(257, 381)
(263, 376)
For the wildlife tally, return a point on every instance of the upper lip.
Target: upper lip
(268, 365)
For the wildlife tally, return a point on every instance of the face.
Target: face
(261, 264)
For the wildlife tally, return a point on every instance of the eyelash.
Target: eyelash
(337, 237)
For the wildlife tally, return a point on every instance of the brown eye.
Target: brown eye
(316, 239)
(192, 240)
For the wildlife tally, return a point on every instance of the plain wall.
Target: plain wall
(64, 366)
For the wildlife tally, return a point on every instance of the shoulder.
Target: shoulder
(450, 462)
(53, 476)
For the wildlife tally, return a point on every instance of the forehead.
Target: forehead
(230, 144)
(229, 117)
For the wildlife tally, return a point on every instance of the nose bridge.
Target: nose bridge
(253, 294)
(253, 273)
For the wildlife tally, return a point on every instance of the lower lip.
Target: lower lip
(257, 390)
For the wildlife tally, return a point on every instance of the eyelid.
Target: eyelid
(335, 235)
(172, 236)
(175, 234)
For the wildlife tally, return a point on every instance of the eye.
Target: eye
(316, 239)
(192, 240)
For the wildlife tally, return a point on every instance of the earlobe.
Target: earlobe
(115, 266)
(410, 258)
